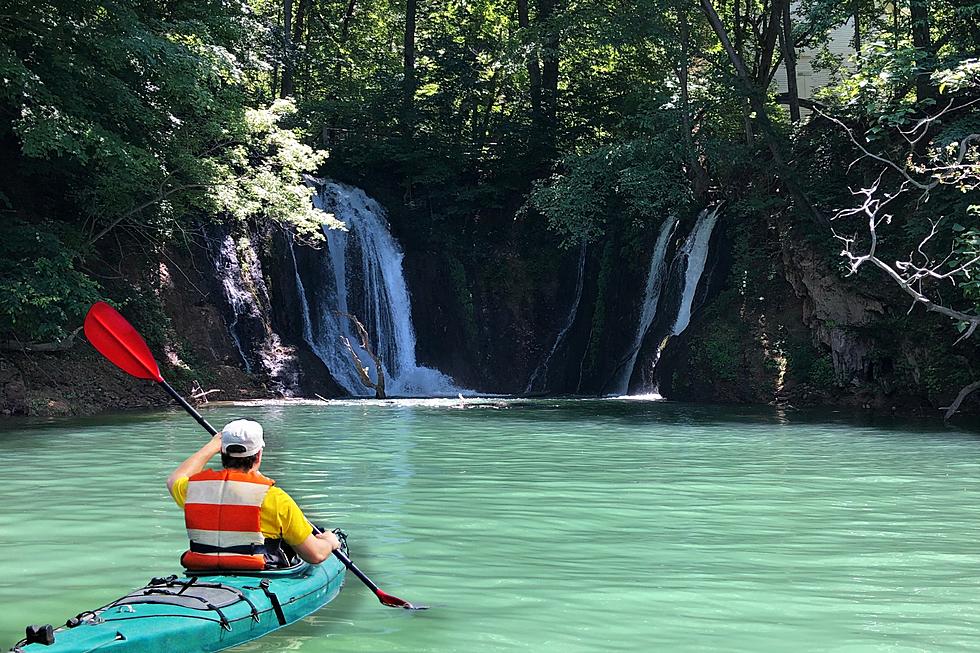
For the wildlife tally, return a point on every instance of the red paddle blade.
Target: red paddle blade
(395, 602)
(117, 340)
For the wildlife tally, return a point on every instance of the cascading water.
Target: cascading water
(541, 371)
(690, 258)
(239, 273)
(695, 250)
(360, 274)
(224, 257)
(651, 299)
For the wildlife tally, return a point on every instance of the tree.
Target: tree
(940, 162)
(409, 82)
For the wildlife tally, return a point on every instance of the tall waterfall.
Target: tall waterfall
(695, 251)
(651, 299)
(541, 371)
(360, 273)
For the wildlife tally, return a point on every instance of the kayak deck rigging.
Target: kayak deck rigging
(196, 612)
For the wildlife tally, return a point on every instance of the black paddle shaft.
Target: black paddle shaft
(357, 572)
(186, 406)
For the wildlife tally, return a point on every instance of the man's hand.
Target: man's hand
(330, 538)
(317, 547)
(196, 462)
(215, 444)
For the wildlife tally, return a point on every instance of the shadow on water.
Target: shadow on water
(627, 411)
(619, 410)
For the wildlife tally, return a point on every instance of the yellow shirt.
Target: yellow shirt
(279, 516)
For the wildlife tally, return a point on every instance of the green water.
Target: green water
(542, 526)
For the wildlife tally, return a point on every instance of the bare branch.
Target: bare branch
(955, 406)
(362, 370)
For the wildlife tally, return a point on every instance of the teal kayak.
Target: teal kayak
(195, 612)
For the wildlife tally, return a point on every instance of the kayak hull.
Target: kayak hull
(171, 615)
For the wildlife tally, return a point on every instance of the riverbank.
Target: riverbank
(80, 382)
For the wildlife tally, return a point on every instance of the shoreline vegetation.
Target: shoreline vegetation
(535, 171)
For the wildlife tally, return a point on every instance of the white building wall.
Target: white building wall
(809, 80)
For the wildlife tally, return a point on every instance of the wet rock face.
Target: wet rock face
(835, 310)
(241, 292)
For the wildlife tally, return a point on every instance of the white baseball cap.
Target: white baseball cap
(243, 436)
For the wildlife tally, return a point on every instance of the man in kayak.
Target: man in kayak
(236, 518)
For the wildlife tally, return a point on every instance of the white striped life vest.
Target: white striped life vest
(222, 513)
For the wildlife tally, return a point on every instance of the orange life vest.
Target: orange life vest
(222, 515)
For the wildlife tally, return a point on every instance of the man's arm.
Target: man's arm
(196, 462)
(317, 547)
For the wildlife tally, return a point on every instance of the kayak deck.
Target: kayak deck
(199, 612)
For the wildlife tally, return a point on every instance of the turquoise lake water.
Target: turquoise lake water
(599, 525)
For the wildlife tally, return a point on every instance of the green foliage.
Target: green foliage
(965, 253)
(42, 295)
(130, 125)
(260, 176)
(821, 373)
(632, 184)
(718, 353)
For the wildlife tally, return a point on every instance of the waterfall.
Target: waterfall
(360, 273)
(247, 307)
(651, 299)
(542, 369)
(224, 257)
(684, 273)
(695, 251)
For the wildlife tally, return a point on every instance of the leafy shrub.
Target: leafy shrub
(42, 295)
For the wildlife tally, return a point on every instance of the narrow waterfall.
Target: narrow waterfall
(224, 257)
(360, 273)
(247, 308)
(695, 251)
(651, 299)
(684, 274)
(541, 371)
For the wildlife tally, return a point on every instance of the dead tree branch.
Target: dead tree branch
(58, 345)
(362, 370)
(955, 406)
(920, 273)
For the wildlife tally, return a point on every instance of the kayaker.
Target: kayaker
(236, 518)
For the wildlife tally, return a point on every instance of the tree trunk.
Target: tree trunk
(762, 117)
(408, 91)
(856, 12)
(699, 176)
(789, 58)
(289, 74)
(769, 36)
(533, 64)
(922, 40)
(896, 33)
(286, 89)
(549, 73)
(345, 32)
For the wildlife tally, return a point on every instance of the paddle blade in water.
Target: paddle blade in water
(117, 340)
(395, 602)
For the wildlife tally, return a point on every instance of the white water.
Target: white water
(244, 289)
(541, 371)
(695, 249)
(361, 274)
(224, 257)
(651, 298)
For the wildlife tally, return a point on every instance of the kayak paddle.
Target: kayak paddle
(384, 597)
(116, 339)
